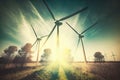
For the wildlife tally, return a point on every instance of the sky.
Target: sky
(17, 16)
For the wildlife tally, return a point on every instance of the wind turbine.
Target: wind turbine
(37, 42)
(58, 22)
(80, 35)
(113, 55)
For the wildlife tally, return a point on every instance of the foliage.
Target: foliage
(46, 55)
(26, 52)
(99, 57)
(13, 55)
(8, 54)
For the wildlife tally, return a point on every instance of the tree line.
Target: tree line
(13, 55)
(23, 55)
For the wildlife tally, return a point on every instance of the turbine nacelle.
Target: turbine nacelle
(39, 39)
(81, 36)
(58, 23)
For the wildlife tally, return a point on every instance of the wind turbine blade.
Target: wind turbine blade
(34, 43)
(43, 36)
(34, 31)
(72, 28)
(49, 35)
(78, 43)
(49, 9)
(89, 27)
(72, 14)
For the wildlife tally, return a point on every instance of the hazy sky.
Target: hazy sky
(17, 16)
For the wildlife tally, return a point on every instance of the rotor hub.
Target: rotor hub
(38, 38)
(81, 36)
(58, 23)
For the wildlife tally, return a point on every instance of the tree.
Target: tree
(10, 50)
(9, 54)
(46, 55)
(25, 53)
(99, 57)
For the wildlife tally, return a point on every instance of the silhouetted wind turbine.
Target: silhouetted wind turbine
(58, 22)
(80, 35)
(113, 55)
(37, 42)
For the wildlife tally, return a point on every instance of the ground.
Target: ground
(73, 71)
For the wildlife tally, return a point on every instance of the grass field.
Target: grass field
(73, 71)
